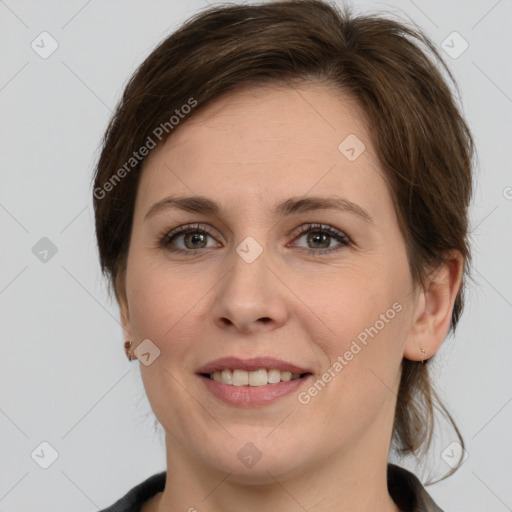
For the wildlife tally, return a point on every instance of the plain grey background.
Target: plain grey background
(64, 378)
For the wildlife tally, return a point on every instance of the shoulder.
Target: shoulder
(408, 492)
(133, 500)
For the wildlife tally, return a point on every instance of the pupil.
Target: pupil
(321, 235)
(195, 237)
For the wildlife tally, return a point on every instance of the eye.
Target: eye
(193, 238)
(319, 234)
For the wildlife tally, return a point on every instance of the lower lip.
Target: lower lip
(250, 396)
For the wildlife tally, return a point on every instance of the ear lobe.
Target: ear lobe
(434, 309)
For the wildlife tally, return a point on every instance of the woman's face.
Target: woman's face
(251, 281)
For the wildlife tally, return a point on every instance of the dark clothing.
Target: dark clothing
(404, 487)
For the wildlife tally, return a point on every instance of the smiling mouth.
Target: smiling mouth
(255, 378)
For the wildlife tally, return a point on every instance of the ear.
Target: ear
(434, 309)
(125, 320)
(120, 291)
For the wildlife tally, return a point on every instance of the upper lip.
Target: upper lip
(254, 363)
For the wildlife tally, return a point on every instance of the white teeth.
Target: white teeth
(258, 378)
(274, 376)
(255, 378)
(286, 376)
(240, 378)
(226, 376)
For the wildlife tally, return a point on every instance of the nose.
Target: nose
(250, 297)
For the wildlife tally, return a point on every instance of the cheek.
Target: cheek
(160, 298)
(369, 336)
(364, 313)
(364, 357)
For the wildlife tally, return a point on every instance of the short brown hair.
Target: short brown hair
(421, 139)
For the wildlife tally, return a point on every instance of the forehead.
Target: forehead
(264, 143)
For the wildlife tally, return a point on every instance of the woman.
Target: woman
(281, 209)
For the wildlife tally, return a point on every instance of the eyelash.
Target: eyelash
(167, 237)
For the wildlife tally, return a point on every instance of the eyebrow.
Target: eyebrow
(293, 205)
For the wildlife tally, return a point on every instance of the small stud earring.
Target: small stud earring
(423, 357)
(127, 347)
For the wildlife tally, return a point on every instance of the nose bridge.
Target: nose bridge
(249, 291)
(247, 277)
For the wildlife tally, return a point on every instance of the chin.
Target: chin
(255, 462)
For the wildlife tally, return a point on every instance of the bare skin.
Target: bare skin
(249, 152)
